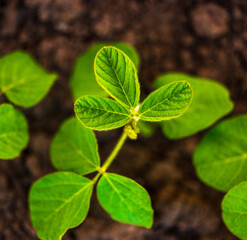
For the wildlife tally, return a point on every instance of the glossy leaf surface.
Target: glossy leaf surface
(221, 157)
(168, 102)
(117, 75)
(59, 201)
(101, 113)
(83, 81)
(22, 80)
(125, 200)
(74, 148)
(13, 132)
(210, 102)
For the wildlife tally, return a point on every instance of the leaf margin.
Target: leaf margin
(53, 76)
(137, 184)
(174, 116)
(50, 174)
(135, 72)
(27, 140)
(92, 128)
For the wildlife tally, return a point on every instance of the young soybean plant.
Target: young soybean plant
(61, 200)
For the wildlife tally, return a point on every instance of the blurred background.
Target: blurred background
(201, 37)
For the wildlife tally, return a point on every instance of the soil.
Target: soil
(205, 38)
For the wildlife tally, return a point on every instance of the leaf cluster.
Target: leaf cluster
(221, 156)
(24, 83)
(61, 200)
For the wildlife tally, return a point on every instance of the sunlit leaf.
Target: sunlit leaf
(59, 201)
(125, 200)
(101, 113)
(168, 102)
(116, 74)
(83, 81)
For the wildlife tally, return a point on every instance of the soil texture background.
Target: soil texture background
(201, 37)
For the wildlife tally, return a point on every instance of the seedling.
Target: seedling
(24, 82)
(83, 81)
(61, 200)
(211, 100)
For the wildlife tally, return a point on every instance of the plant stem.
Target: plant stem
(111, 157)
(96, 177)
(114, 152)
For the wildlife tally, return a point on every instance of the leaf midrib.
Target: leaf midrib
(162, 102)
(10, 133)
(112, 124)
(130, 105)
(65, 202)
(226, 160)
(119, 194)
(129, 189)
(102, 109)
(78, 151)
(14, 84)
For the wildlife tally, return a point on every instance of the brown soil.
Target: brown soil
(206, 38)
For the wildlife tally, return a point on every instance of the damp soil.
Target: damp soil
(205, 38)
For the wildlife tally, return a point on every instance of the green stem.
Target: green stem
(114, 152)
(111, 157)
(96, 177)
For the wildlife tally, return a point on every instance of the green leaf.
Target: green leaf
(74, 148)
(59, 201)
(101, 113)
(117, 75)
(168, 102)
(221, 157)
(125, 200)
(13, 132)
(234, 210)
(83, 81)
(210, 102)
(22, 80)
(147, 128)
